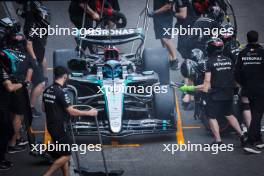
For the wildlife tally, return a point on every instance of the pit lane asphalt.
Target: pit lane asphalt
(143, 156)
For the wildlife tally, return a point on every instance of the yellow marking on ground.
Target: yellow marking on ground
(179, 132)
(122, 146)
(47, 136)
(115, 143)
(37, 132)
(119, 160)
(192, 127)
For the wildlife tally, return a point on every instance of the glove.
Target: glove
(186, 88)
(35, 63)
(151, 14)
(26, 84)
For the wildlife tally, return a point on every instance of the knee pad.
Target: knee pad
(245, 106)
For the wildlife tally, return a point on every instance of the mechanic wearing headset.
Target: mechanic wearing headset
(208, 18)
(185, 16)
(219, 86)
(211, 18)
(163, 18)
(36, 16)
(249, 74)
(6, 127)
(57, 105)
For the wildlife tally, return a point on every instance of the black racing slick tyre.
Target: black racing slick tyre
(156, 59)
(164, 105)
(62, 56)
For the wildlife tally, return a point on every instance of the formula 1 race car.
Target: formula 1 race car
(132, 91)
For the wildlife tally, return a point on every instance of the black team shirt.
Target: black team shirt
(222, 78)
(157, 4)
(4, 94)
(249, 70)
(56, 101)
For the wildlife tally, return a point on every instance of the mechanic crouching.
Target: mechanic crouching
(219, 85)
(249, 74)
(56, 104)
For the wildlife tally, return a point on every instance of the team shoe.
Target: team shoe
(5, 165)
(21, 142)
(35, 113)
(259, 144)
(243, 140)
(251, 149)
(15, 149)
(174, 64)
(188, 106)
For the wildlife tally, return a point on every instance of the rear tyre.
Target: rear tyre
(61, 57)
(156, 59)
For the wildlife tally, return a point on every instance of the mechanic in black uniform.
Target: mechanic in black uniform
(210, 19)
(231, 50)
(36, 16)
(249, 74)
(232, 46)
(14, 41)
(6, 127)
(18, 106)
(56, 104)
(185, 18)
(219, 85)
(76, 11)
(109, 11)
(163, 18)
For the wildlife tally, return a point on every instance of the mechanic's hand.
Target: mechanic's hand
(96, 16)
(151, 13)
(92, 112)
(186, 88)
(25, 84)
(35, 63)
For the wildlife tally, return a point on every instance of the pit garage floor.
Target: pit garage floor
(144, 155)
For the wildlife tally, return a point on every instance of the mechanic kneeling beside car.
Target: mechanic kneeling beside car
(219, 86)
(56, 104)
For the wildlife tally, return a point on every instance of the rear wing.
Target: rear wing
(113, 36)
